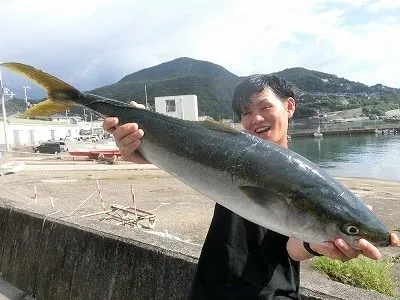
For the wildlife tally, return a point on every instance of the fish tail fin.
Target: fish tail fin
(61, 95)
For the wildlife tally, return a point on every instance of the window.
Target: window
(170, 105)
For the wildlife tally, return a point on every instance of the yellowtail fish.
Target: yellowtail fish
(259, 180)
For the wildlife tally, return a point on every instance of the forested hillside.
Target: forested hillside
(214, 86)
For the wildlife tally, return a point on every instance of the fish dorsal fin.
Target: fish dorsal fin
(214, 125)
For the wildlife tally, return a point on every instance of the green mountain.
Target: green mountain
(317, 82)
(214, 86)
(182, 67)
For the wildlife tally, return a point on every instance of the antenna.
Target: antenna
(5, 92)
(25, 87)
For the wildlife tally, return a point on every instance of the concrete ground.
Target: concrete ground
(70, 188)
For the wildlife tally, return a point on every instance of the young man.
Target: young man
(242, 260)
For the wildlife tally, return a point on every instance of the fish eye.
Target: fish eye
(351, 229)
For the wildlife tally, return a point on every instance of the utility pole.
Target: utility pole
(5, 92)
(91, 123)
(145, 93)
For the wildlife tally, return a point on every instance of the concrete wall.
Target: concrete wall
(56, 260)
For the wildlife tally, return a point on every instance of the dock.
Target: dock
(379, 129)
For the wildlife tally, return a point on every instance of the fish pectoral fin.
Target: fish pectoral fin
(261, 195)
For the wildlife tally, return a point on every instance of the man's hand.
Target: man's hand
(338, 249)
(127, 137)
(341, 250)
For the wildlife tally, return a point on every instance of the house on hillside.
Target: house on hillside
(393, 113)
(181, 106)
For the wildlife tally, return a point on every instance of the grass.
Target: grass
(361, 272)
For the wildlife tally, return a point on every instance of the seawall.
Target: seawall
(54, 259)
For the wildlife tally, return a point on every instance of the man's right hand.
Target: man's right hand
(127, 138)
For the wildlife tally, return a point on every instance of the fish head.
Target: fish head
(343, 215)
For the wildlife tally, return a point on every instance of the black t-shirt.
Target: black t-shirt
(242, 260)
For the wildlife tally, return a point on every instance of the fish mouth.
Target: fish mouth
(376, 242)
(383, 243)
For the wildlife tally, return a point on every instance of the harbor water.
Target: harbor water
(374, 156)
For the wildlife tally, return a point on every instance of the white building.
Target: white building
(27, 132)
(181, 106)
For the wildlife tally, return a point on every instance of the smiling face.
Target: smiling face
(267, 116)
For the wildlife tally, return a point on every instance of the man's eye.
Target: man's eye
(245, 113)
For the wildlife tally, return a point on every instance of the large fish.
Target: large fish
(259, 180)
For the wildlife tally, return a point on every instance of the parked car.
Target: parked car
(94, 138)
(51, 147)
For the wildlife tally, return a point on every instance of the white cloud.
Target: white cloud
(384, 4)
(93, 43)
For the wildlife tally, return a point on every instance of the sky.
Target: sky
(92, 43)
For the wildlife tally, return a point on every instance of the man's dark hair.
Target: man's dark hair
(256, 84)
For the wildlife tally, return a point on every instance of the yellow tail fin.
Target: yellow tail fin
(59, 92)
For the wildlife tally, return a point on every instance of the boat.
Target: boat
(318, 133)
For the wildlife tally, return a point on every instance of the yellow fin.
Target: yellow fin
(49, 82)
(60, 93)
(47, 108)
